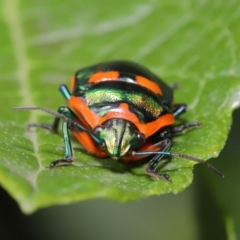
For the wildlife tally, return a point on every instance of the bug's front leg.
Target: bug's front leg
(68, 158)
(151, 168)
(66, 126)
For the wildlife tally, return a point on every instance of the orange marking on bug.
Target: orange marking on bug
(147, 129)
(150, 128)
(88, 143)
(81, 109)
(72, 82)
(121, 112)
(149, 84)
(104, 76)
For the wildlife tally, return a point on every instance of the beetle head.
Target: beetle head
(119, 137)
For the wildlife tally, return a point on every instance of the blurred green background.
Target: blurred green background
(180, 40)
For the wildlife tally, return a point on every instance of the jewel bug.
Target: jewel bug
(122, 110)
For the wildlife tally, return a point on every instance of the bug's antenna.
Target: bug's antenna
(211, 167)
(54, 113)
(76, 126)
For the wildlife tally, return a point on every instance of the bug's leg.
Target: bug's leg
(68, 158)
(174, 85)
(180, 129)
(179, 109)
(177, 130)
(69, 123)
(66, 126)
(151, 168)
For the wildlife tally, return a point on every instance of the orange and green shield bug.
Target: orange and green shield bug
(121, 110)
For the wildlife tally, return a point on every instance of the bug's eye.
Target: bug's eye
(141, 139)
(97, 132)
(102, 146)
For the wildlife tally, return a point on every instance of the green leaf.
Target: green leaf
(193, 43)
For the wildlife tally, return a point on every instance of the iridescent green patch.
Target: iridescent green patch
(139, 98)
